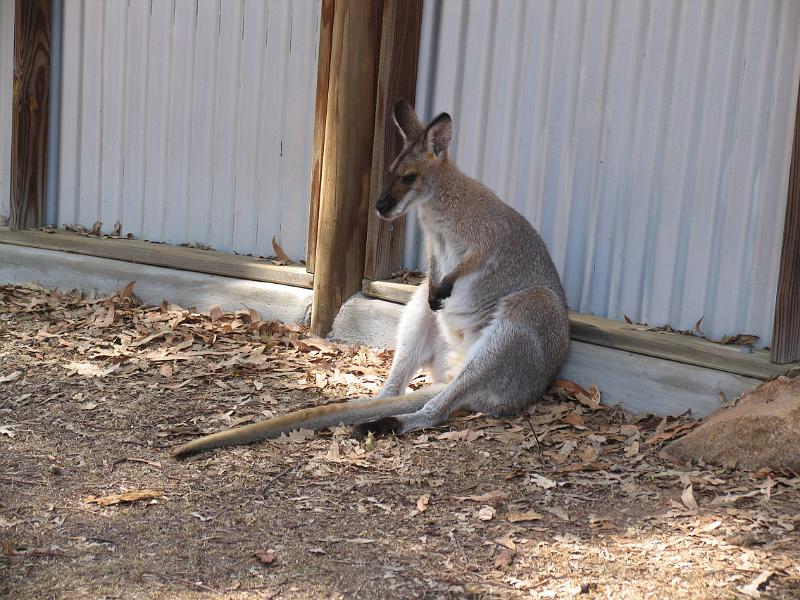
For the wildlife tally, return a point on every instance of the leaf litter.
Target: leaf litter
(573, 497)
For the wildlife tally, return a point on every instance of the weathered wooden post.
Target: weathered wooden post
(397, 77)
(29, 112)
(786, 327)
(320, 113)
(346, 158)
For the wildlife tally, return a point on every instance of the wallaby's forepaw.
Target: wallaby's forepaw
(435, 303)
(382, 426)
(438, 293)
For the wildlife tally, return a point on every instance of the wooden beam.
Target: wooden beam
(320, 112)
(346, 158)
(162, 255)
(397, 77)
(685, 349)
(786, 327)
(29, 112)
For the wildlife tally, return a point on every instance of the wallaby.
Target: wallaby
(493, 299)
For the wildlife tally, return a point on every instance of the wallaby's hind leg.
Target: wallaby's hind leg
(510, 364)
(420, 345)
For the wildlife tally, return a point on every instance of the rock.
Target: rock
(762, 430)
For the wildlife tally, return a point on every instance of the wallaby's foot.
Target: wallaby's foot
(384, 426)
(439, 292)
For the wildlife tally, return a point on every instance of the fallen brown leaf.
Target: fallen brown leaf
(122, 498)
(266, 557)
(504, 558)
(519, 517)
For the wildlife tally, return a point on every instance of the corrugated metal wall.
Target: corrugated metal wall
(647, 141)
(6, 75)
(190, 120)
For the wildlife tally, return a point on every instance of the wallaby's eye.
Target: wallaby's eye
(409, 179)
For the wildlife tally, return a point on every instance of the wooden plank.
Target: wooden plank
(347, 157)
(162, 255)
(388, 290)
(397, 77)
(622, 336)
(31, 95)
(677, 347)
(153, 284)
(320, 113)
(786, 327)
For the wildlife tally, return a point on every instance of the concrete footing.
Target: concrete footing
(48, 268)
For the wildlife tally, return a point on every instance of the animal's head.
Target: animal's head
(420, 162)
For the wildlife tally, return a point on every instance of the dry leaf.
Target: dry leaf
(492, 498)
(752, 588)
(504, 558)
(632, 450)
(697, 326)
(519, 517)
(122, 498)
(298, 435)
(588, 454)
(570, 387)
(543, 482)
(282, 256)
(89, 369)
(558, 511)
(575, 420)
(127, 291)
(687, 496)
(422, 502)
(165, 371)
(506, 542)
(13, 376)
(590, 400)
(465, 435)
(486, 513)
(266, 557)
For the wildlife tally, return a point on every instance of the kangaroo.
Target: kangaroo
(492, 299)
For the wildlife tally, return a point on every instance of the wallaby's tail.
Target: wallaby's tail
(319, 417)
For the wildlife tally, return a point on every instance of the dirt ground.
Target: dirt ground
(572, 499)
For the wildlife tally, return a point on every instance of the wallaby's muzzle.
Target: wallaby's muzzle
(385, 204)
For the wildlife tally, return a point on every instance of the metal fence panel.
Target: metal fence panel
(647, 141)
(190, 121)
(6, 91)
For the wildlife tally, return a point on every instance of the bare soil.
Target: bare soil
(572, 499)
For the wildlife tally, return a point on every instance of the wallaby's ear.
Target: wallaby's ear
(439, 134)
(406, 120)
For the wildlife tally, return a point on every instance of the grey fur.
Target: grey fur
(503, 310)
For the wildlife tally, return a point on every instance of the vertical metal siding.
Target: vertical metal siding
(6, 91)
(190, 120)
(648, 142)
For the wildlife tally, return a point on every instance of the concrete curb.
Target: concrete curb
(66, 271)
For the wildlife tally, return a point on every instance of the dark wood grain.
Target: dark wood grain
(29, 112)
(397, 77)
(346, 158)
(786, 327)
(320, 112)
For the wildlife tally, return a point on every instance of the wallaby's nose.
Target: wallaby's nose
(383, 203)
